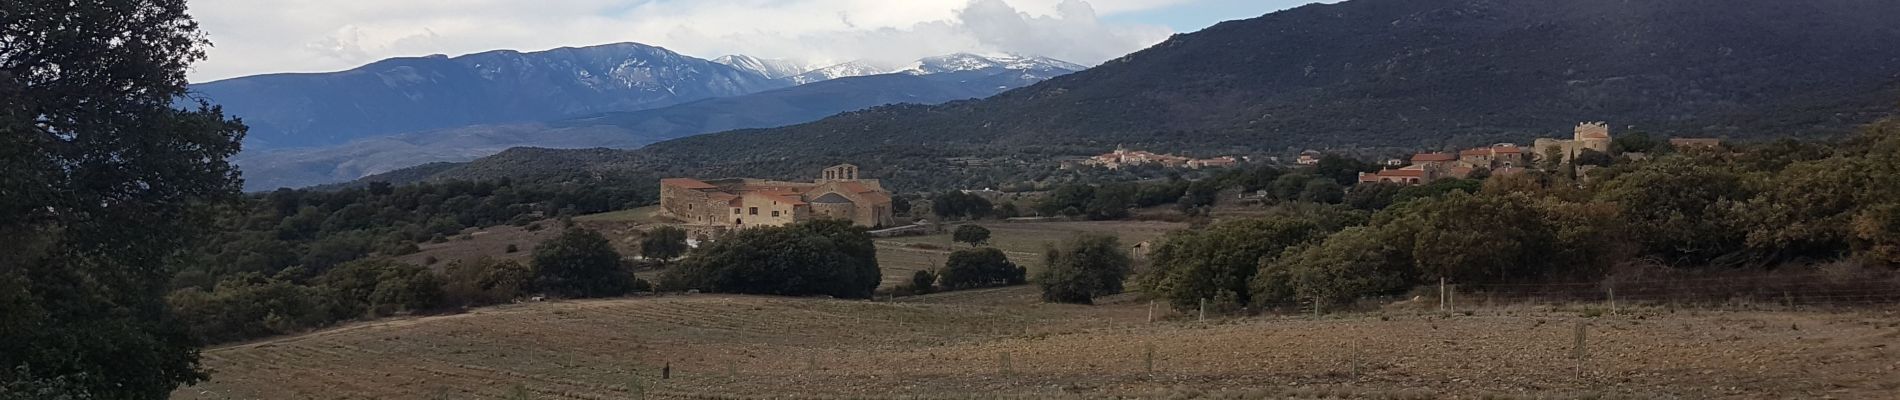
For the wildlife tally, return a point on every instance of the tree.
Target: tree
(1220, 261)
(580, 263)
(484, 281)
(1592, 157)
(1322, 191)
(1679, 210)
(106, 177)
(379, 287)
(978, 268)
(1347, 265)
(1635, 142)
(972, 234)
(823, 257)
(663, 243)
(923, 282)
(959, 205)
(1083, 268)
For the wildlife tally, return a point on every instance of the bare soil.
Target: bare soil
(1002, 343)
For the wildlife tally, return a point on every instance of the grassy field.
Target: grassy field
(1000, 343)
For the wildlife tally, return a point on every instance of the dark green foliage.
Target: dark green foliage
(1341, 170)
(1636, 142)
(1372, 196)
(975, 235)
(1221, 260)
(960, 205)
(923, 282)
(1438, 188)
(1349, 264)
(1322, 191)
(580, 263)
(373, 288)
(663, 243)
(1592, 157)
(979, 268)
(1680, 210)
(824, 257)
(484, 282)
(1083, 268)
(512, 248)
(252, 306)
(105, 177)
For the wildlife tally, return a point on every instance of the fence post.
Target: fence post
(1203, 309)
(1148, 360)
(1613, 309)
(1151, 311)
(1003, 359)
(1581, 352)
(1441, 294)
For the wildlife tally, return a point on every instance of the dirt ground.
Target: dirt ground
(1002, 343)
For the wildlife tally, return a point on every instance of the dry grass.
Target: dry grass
(1022, 242)
(951, 346)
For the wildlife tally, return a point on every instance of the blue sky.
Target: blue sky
(252, 37)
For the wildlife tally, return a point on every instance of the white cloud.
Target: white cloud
(253, 37)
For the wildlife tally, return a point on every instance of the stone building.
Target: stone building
(1589, 135)
(724, 204)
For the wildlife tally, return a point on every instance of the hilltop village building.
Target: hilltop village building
(1123, 157)
(1499, 159)
(725, 204)
(1588, 135)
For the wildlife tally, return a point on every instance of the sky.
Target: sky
(252, 37)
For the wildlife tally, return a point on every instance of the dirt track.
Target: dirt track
(954, 346)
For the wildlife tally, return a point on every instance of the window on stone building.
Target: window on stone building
(775, 214)
(753, 211)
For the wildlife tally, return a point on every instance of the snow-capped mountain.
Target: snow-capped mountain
(971, 62)
(845, 70)
(775, 68)
(1035, 67)
(412, 94)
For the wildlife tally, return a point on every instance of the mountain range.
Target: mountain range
(1359, 73)
(928, 81)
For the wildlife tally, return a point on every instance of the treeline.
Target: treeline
(576, 264)
(290, 260)
(1753, 207)
(1323, 183)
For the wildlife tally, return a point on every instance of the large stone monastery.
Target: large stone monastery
(725, 204)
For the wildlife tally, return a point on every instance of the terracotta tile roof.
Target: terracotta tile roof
(1407, 173)
(686, 183)
(1475, 152)
(1508, 149)
(1427, 157)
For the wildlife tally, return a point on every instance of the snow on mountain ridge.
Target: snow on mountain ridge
(1042, 67)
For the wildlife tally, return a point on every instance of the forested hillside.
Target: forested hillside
(1401, 73)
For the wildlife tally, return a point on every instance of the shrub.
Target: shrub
(977, 268)
(380, 287)
(1350, 264)
(484, 281)
(1191, 266)
(824, 257)
(1085, 267)
(580, 263)
(972, 234)
(923, 281)
(512, 249)
(663, 243)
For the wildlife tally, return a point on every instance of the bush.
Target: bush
(1350, 264)
(1222, 259)
(824, 257)
(972, 234)
(923, 282)
(1085, 267)
(663, 243)
(978, 268)
(580, 263)
(379, 287)
(250, 306)
(484, 282)
(512, 249)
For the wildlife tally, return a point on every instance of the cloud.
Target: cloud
(327, 35)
